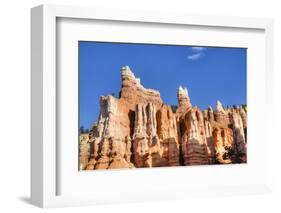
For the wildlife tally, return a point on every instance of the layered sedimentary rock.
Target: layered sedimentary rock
(84, 151)
(110, 136)
(223, 143)
(184, 102)
(168, 136)
(194, 140)
(239, 137)
(221, 115)
(145, 140)
(139, 130)
(132, 91)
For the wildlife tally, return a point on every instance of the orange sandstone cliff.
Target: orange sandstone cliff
(139, 130)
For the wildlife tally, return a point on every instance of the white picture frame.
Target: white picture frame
(44, 153)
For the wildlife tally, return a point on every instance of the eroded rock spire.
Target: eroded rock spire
(184, 101)
(219, 107)
(183, 95)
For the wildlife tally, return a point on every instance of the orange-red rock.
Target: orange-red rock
(139, 130)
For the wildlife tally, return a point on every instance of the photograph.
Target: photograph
(132, 105)
(161, 105)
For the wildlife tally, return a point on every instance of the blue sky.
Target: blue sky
(209, 73)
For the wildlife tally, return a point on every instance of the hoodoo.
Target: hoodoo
(139, 130)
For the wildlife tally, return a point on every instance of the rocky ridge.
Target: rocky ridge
(139, 130)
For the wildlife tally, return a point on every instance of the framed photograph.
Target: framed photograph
(131, 106)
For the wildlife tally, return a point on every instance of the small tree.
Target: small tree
(229, 153)
(216, 158)
(174, 108)
(82, 129)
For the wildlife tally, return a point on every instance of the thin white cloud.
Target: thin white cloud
(195, 56)
(198, 49)
(197, 53)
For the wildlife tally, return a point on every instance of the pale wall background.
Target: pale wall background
(15, 104)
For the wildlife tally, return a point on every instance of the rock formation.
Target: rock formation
(84, 151)
(194, 141)
(139, 130)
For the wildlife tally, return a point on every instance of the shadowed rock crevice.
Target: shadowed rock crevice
(139, 130)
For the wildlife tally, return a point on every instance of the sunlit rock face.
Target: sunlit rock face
(84, 150)
(184, 102)
(138, 130)
(239, 137)
(132, 91)
(194, 141)
(145, 139)
(223, 143)
(221, 115)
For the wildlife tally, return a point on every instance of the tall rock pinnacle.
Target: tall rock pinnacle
(133, 91)
(183, 95)
(221, 115)
(184, 101)
(219, 107)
